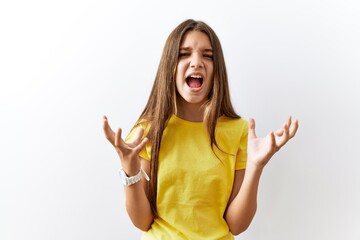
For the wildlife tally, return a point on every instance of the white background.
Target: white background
(64, 64)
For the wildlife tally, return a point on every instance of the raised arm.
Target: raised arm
(243, 203)
(137, 204)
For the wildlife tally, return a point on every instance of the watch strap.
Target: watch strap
(128, 181)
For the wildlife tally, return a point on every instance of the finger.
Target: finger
(284, 138)
(138, 136)
(288, 121)
(279, 132)
(293, 128)
(119, 143)
(252, 133)
(141, 145)
(109, 133)
(273, 146)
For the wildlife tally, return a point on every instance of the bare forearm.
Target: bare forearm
(242, 209)
(138, 206)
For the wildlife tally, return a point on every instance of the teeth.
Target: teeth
(196, 76)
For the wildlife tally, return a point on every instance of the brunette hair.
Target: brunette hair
(162, 100)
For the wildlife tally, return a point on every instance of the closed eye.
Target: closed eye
(209, 56)
(184, 54)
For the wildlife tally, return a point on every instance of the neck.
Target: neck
(193, 112)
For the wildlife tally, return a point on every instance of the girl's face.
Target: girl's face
(194, 74)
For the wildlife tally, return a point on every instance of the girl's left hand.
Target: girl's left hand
(260, 150)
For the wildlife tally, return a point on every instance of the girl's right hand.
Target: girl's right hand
(128, 152)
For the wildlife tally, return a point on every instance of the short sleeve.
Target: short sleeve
(146, 152)
(241, 156)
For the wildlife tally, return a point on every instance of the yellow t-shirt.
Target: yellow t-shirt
(193, 184)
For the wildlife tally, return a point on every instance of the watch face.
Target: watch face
(122, 175)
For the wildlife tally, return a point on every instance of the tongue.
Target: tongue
(194, 82)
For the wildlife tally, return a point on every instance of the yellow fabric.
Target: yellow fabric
(193, 184)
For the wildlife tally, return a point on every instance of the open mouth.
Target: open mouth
(194, 81)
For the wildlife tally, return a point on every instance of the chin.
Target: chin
(195, 101)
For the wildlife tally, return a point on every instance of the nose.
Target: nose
(196, 61)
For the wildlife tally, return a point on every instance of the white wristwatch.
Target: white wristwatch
(128, 181)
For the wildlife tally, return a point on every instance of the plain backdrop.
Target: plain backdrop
(65, 64)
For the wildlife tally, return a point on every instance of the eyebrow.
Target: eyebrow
(189, 48)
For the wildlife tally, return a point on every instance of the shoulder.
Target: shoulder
(143, 124)
(231, 134)
(238, 124)
(231, 129)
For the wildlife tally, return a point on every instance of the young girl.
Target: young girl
(191, 166)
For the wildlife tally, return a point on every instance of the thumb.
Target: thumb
(141, 145)
(252, 133)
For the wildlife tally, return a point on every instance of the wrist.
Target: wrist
(254, 167)
(131, 169)
(130, 180)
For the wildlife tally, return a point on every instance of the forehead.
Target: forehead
(195, 39)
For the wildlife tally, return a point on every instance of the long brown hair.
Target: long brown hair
(162, 100)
